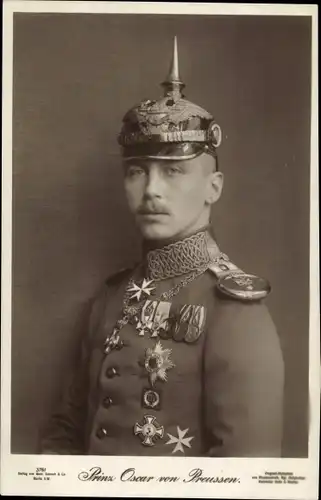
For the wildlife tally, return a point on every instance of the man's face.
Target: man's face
(170, 199)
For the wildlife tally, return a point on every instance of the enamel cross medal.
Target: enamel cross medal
(149, 431)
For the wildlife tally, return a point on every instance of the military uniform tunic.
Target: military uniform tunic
(200, 374)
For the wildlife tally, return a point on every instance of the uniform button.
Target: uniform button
(107, 402)
(111, 372)
(101, 433)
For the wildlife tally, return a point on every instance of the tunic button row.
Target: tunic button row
(112, 371)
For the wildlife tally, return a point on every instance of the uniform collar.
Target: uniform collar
(181, 257)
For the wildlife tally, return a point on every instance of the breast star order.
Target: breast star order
(180, 441)
(139, 290)
(157, 362)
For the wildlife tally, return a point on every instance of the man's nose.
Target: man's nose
(153, 186)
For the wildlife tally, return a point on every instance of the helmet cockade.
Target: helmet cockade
(171, 127)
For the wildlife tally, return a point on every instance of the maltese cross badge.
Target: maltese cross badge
(180, 441)
(144, 289)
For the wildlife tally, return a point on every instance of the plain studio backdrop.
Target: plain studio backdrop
(75, 75)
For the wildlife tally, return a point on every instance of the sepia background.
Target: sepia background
(75, 75)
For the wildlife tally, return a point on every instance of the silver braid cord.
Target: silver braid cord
(178, 258)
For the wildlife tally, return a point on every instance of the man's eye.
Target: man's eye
(134, 171)
(172, 170)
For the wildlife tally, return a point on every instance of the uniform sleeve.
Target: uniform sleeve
(65, 431)
(243, 386)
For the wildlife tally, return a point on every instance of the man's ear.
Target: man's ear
(215, 186)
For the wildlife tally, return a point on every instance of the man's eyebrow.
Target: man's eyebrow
(133, 163)
(146, 163)
(176, 163)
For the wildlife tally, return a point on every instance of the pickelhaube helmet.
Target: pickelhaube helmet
(170, 128)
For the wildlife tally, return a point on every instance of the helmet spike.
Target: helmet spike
(173, 84)
(173, 74)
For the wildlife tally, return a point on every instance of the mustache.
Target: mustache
(152, 208)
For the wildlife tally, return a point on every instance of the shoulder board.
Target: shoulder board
(113, 279)
(237, 284)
